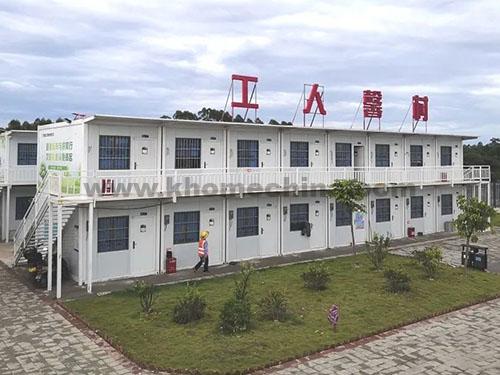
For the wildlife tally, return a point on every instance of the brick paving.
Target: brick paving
(36, 339)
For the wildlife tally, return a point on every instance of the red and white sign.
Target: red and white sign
(420, 108)
(314, 95)
(372, 104)
(245, 102)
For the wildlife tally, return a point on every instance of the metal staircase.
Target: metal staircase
(34, 229)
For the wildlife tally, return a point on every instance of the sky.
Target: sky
(149, 58)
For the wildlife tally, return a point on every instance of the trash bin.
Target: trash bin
(478, 256)
(171, 265)
(411, 232)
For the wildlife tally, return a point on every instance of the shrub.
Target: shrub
(316, 277)
(397, 281)
(147, 295)
(274, 306)
(377, 249)
(236, 313)
(429, 259)
(190, 307)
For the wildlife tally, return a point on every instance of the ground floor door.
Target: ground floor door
(142, 243)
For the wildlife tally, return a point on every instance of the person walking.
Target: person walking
(202, 252)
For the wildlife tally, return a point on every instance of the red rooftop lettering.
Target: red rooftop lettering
(314, 95)
(372, 104)
(245, 103)
(420, 108)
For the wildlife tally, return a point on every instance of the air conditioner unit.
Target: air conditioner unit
(107, 186)
(444, 176)
(448, 226)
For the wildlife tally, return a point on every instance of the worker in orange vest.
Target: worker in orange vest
(202, 252)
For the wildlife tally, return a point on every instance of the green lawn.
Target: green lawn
(495, 220)
(365, 308)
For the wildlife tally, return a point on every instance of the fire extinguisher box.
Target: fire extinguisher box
(411, 232)
(171, 265)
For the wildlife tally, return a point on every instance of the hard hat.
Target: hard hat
(204, 234)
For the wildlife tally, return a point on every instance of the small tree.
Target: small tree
(377, 249)
(472, 220)
(349, 193)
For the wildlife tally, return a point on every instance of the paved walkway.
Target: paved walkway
(462, 342)
(36, 339)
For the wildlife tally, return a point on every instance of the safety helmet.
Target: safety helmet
(204, 234)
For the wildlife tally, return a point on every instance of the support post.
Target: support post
(59, 251)
(7, 214)
(49, 248)
(90, 244)
(80, 246)
(3, 213)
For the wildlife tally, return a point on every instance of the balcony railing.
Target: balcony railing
(20, 175)
(194, 182)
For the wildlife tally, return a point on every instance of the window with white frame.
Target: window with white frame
(343, 155)
(114, 152)
(299, 154)
(382, 155)
(22, 205)
(417, 207)
(112, 234)
(416, 155)
(383, 210)
(187, 153)
(248, 153)
(26, 154)
(446, 204)
(343, 215)
(445, 155)
(247, 221)
(186, 227)
(299, 215)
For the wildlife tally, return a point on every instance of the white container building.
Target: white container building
(121, 192)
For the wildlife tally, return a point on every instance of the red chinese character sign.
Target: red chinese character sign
(372, 107)
(420, 106)
(316, 95)
(246, 101)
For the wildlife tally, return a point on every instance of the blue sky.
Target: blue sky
(153, 57)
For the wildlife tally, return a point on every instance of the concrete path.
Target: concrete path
(36, 339)
(462, 342)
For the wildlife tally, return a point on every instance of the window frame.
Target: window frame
(187, 153)
(247, 157)
(114, 160)
(188, 235)
(445, 163)
(417, 210)
(450, 206)
(382, 214)
(343, 216)
(380, 159)
(418, 162)
(298, 210)
(340, 159)
(109, 234)
(299, 157)
(28, 156)
(247, 221)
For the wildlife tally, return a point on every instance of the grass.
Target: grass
(495, 220)
(365, 308)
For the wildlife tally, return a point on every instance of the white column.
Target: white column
(80, 246)
(49, 248)
(3, 214)
(90, 243)
(479, 192)
(7, 214)
(59, 251)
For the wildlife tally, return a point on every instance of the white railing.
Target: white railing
(181, 182)
(21, 175)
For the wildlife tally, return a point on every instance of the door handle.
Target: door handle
(261, 164)
(133, 244)
(135, 165)
(204, 164)
(261, 230)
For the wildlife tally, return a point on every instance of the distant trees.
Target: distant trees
(485, 154)
(15, 124)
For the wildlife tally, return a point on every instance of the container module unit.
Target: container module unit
(128, 191)
(18, 155)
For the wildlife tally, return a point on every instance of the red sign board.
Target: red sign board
(372, 104)
(314, 95)
(420, 108)
(245, 102)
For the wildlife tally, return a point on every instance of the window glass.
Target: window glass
(299, 154)
(247, 221)
(186, 227)
(417, 207)
(187, 153)
(382, 157)
(343, 156)
(114, 152)
(343, 215)
(26, 154)
(299, 214)
(446, 204)
(22, 205)
(112, 233)
(248, 153)
(445, 155)
(416, 156)
(383, 210)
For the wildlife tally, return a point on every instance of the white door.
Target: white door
(397, 217)
(142, 244)
(429, 214)
(268, 220)
(144, 157)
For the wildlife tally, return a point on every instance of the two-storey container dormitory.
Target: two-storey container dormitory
(18, 159)
(140, 188)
